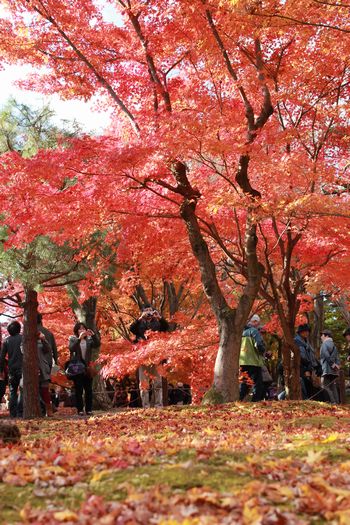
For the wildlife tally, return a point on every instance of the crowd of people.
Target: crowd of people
(148, 388)
(254, 365)
(81, 345)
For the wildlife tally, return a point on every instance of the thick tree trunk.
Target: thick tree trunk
(227, 359)
(31, 406)
(86, 313)
(230, 321)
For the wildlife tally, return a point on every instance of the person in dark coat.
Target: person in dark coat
(308, 361)
(50, 338)
(12, 349)
(45, 366)
(150, 319)
(81, 345)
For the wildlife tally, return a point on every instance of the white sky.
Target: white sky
(90, 119)
(79, 110)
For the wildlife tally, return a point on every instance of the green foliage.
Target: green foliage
(25, 129)
(334, 321)
(42, 261)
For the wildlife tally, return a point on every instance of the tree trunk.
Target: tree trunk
(31, 406)
(86, 313)
(291, 367)
(227, 359)
(230, 321)
(318, 323)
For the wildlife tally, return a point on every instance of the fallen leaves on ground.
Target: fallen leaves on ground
(261, 464)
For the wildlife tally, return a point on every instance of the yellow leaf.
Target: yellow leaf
(343, 517)
(251, 513)
(65, 515)
(97, 476)
(313, 456)
(210, 431)
(331, 438)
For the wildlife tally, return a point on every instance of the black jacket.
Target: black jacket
(308, 361)
(75, 350)
(141, 326)
(12, 348)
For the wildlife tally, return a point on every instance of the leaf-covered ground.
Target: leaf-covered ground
(269, 464)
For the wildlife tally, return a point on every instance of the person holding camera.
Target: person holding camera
(81, 345)
(150, 319)
(330, 366)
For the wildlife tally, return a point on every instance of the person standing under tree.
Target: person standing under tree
(81, 345)
(308, 361)
(150, 319)
(50, 338)
(330, 366)
(251, 359)
(12, 349)
(45, 366)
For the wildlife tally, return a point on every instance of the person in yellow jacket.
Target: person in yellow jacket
(251, 359)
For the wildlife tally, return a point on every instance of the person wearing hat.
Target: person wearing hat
(330, 366)
(251, 359)
(308, 361)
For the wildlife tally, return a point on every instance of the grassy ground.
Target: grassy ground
(269, 464)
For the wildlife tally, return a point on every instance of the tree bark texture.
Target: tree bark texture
(318, 323)
(31, 406)
(291, 368)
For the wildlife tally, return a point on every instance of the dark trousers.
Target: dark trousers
(329, 383)
(14, 380)
(82, 383)
(3, 385)
(307, 388)
(255, 374)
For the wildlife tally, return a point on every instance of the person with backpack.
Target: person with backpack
(81, 345)
(330, 366)
(251, 359)
(12, 349)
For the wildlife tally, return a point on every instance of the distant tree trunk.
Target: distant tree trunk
(86, 313)
(31, 406)
(318, 323)
(290, 356)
